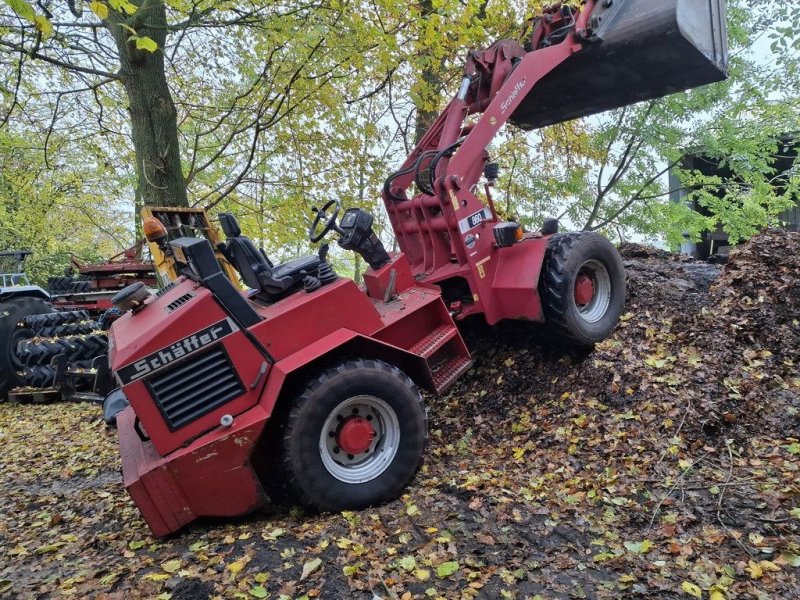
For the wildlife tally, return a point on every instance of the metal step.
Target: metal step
(435, 340)
(449, 371)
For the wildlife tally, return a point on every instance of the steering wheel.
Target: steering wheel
(323, 217)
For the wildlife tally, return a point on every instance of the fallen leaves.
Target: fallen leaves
(310, 567)
(639, 547)
(446, 569)
(172, 566)
(689, 588)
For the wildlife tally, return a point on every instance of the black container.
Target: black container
(641, 50)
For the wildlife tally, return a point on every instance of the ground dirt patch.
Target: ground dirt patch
(661, 465)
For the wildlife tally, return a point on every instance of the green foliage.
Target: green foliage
(44, 209)
(610, 175)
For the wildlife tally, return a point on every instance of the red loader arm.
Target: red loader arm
(578, 61)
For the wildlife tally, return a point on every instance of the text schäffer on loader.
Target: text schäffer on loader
(308, 384)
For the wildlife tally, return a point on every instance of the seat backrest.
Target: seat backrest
(247, 260)
(255, 268)
(230, 226)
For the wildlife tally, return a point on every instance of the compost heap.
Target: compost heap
(723, 343)
(679, 430)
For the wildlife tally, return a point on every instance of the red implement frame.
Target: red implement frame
(447, 235)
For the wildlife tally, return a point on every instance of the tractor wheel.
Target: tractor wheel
(582, 286)
(354, 437)
(37, 323)
(39, 377)
(79, 328)
(12, 312)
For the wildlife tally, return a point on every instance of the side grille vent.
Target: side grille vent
(165, 289)
(178, 302)
(195, 388)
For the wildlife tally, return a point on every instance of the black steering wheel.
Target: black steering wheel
(323, 217)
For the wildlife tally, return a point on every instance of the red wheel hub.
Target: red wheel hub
(355, 436)
(584, 289)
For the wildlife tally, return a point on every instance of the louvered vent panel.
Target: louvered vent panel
(178, 302)
(166, 289)
(195, 388)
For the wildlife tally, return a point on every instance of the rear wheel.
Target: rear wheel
(355, 437)
(12, 313)
(582, 286)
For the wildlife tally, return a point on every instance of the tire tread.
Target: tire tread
(291, 477)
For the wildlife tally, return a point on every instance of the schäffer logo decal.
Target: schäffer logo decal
(175, 351)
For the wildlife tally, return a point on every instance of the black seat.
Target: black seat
(256, 269)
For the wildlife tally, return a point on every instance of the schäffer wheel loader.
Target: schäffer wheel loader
(308, 383)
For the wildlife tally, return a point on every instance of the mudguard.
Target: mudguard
(21, 291)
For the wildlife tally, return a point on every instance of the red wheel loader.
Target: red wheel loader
(308, 384)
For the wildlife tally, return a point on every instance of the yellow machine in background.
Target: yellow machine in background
(163, 224)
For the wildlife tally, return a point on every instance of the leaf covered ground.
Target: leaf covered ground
(662, 465)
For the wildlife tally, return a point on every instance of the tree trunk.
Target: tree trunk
(154, 126)
(433, 77)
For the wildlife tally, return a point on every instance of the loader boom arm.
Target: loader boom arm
(578, 61)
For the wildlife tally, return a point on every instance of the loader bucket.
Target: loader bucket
(641, 50)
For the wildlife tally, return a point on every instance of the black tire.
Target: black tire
(53, 319)
(77, 287)
(80, 328)
(108, 317)
(38, 351)
(55, 285)
(12, 313)
(39, 377)
(379, 387)
(577, 257)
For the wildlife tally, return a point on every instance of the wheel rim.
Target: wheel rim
(592, 291)
(359, 439)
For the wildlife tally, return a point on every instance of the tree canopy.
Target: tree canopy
(267, 108)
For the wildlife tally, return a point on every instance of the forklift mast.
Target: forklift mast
(578, 61)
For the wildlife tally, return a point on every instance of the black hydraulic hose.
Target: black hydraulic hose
(424, 187)
(447, 152)
(387, 185)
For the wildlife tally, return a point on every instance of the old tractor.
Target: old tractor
(308, 384)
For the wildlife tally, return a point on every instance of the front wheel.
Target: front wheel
(582, 286)
(354, 437)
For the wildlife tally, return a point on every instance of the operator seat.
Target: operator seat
(256, 269)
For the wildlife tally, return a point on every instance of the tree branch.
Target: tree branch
(62, 64)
